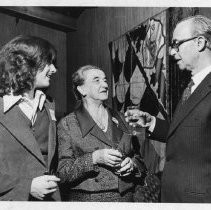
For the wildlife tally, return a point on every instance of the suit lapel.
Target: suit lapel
(87, 125)
(12, 121)
(118, 127)
(184, 110)
(52, 131)
(98, 133)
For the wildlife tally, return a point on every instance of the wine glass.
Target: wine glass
(133, 120)
(117, 168)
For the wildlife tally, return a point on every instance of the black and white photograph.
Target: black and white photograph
(105, 105)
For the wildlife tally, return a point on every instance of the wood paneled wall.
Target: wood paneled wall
(11, 27)
(206, 11)
(96, 28)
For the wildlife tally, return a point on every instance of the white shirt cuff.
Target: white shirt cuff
(153, 123)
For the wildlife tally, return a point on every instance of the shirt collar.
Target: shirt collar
(86, 123)
(10, 100)
(40, 98)
(197, 78)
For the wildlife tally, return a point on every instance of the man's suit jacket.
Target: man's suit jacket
(187, 172)
(20, 156)
(79, 137)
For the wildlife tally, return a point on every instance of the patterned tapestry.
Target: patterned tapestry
(139, 74)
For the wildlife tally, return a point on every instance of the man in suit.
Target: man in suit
(28, 145)
(187, 172)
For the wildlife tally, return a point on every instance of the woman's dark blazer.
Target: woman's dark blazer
(20, 156)
(79, 137)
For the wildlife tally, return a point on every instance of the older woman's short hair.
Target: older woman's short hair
(78, 78)
(20, 60)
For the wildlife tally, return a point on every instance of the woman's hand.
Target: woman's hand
(109, 157)
(43, 185)
(127, 167)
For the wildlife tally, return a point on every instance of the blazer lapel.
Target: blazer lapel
(87, 125)
(18, 128)
(120, 133)
(51, 132)
(184, 110)
(98, 133)
(118, 126)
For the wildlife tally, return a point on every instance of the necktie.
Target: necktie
(187, 91)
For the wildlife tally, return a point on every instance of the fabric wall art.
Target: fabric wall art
(139, 72)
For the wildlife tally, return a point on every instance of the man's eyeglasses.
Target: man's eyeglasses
(175, 44)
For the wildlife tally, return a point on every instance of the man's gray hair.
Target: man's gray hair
(201, 26)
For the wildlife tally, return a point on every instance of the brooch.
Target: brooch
(115, 121)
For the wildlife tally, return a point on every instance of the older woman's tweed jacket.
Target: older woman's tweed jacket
(79, 137)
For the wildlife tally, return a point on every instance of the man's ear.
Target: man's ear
(81, 91)
(202, 42)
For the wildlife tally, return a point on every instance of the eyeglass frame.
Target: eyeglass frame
(176, 46)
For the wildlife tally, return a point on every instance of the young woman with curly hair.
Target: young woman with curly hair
(27, 122)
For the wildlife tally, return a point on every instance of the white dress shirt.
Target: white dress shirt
(29, 107)
(197, 78)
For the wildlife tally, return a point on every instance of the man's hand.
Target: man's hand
(109, 157)
(144, 118)
(43, 185)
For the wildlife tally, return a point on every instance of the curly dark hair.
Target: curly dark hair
(20, 60)
(78, 79)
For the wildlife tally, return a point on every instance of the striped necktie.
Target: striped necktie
(187, 91)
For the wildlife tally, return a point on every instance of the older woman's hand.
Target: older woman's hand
(127, 167)
(109, 157)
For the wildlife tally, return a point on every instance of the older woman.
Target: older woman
(96, 158)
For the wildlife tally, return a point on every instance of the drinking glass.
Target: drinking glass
(117, 168)
(134, 129)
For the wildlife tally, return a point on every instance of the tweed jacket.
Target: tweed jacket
(20, 156)
(79, 137)
(187, 172)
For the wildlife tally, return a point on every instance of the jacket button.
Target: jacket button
(46, 173)
(96, 180)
